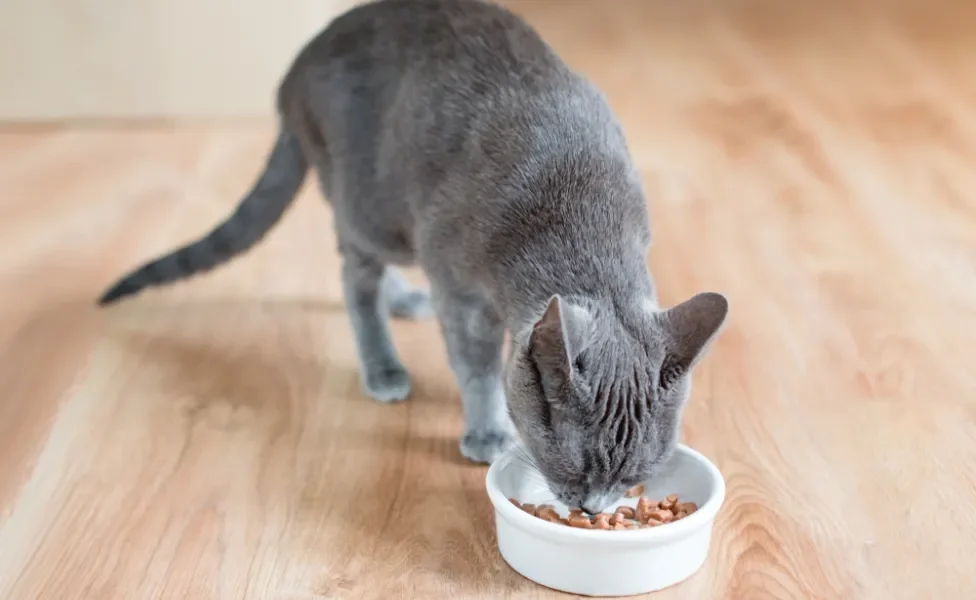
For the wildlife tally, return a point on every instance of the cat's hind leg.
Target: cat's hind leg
(371, 291)
(383, 376)
(403, 300)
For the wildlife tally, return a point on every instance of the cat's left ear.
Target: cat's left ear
(690, 328)
(556, 340)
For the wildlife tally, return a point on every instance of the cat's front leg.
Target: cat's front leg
(474, 335)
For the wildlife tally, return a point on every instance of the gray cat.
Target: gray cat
(446, 133)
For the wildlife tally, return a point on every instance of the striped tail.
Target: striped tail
(255, 216)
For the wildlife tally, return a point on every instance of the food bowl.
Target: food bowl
(593, 562)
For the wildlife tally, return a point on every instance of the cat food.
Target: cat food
(647, 514)
(684, 509)
(579, 520)
(635, 492)
(628, 512)
(548, 513)
(601, 521)
(644, 508)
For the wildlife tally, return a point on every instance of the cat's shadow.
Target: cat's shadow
(429, 513)
(205, 354)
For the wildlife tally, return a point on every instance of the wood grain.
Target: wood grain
(811, 160)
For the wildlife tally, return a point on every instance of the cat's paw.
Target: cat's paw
(485, 446)
(387, 383)
(413, 305)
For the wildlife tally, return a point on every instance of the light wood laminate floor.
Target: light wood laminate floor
(814, 161)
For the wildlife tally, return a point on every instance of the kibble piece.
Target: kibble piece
(660, 515)
(618, 518)
(601, 521)
(621, 526)
(580, 521)
(548, 513)
(635, 491)
(575, 511)
(529, 508)
(515, 502)
(627, 511)
(669, 503)
(546, 507)
(686, 507)
(644, 508)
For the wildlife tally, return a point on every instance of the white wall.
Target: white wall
(149, 58)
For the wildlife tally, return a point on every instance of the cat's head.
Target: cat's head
(597, 397)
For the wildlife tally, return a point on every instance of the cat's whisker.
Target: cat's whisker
(522, 460)
(522, 455)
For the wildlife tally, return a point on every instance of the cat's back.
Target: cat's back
(471, 47)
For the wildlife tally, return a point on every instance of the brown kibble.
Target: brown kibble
(601, 521)
(627, 512)
(647, 514)
(548, 513)
(660, 515)
(635, 491)
(580, 521)
(644, 508)
(544, 507)
(669, 503)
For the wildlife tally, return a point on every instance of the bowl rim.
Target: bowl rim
(691, 524)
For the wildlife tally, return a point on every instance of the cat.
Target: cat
(447, 134)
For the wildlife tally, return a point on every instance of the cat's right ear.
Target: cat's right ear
(556, 339)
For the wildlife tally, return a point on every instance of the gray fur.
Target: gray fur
(446, 133)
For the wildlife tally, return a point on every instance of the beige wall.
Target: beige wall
(149, 58)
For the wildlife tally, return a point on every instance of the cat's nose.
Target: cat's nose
(596, 504)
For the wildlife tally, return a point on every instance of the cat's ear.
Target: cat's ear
(556, 339)
(690, 327)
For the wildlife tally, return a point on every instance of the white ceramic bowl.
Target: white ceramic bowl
(593, 562)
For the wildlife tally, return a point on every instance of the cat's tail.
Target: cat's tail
(262, 207)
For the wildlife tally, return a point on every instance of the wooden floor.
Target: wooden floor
(813, 161)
